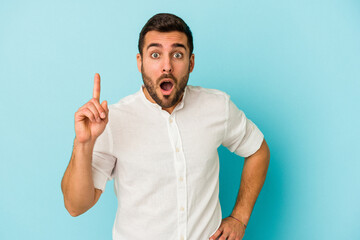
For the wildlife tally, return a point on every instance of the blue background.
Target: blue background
(292, 66)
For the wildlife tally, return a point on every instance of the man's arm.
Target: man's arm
(77, 184)
(252, 179)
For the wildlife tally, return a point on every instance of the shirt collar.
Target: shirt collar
(179, 106)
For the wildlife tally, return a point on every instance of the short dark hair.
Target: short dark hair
(165, 22)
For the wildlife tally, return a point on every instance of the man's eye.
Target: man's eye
(178, 55)
(155, 55)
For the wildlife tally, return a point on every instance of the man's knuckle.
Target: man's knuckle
(79, 113)
(227, 229)
(87, 105)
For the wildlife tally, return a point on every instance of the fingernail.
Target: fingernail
(102, 115)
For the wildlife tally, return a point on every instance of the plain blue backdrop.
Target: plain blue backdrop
(292, 66)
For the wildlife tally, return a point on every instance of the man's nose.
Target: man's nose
(167, 66)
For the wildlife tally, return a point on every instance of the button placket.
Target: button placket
(180, 169)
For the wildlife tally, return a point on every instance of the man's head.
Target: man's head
(165, 22)
(165, 59)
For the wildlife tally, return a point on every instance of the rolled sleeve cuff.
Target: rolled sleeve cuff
(252, 144)
(99, 179)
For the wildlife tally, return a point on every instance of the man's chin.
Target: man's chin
(166, 104)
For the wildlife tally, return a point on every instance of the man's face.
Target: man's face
(165, 67)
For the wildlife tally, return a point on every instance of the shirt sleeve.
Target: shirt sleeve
(241, 134)
(103, 161)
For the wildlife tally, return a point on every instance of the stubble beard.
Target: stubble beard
(179, 88)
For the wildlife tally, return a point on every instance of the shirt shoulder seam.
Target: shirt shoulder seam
(207, 90)
(126, 100)
(227, 107)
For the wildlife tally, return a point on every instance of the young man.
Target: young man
(160, 147)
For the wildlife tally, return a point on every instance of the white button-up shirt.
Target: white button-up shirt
(166, 166)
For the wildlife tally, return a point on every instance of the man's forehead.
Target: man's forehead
(165, 38)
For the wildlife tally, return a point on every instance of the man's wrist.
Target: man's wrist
(241, 217)
(84, 145)
(239, 221)
(83, 149)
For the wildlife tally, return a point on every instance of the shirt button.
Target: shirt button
(170, 120)
(182, 209)
(181, 238)
(181, 179)
(177, 150)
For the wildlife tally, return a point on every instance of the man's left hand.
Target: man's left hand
(230, 229)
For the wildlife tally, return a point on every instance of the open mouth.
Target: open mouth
(166, 86)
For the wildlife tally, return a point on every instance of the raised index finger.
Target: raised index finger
(96, 91)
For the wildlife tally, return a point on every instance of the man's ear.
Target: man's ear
(192, 62)
(139, 62)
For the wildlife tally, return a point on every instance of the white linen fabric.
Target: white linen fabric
(166, 166)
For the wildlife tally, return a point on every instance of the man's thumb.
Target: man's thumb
(105, 106)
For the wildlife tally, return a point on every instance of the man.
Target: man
(160, 146)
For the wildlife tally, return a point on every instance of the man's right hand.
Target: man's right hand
(92, 117)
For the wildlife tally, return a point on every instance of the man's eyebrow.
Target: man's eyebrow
(175, 45)
(178, 45)
(154, 45)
